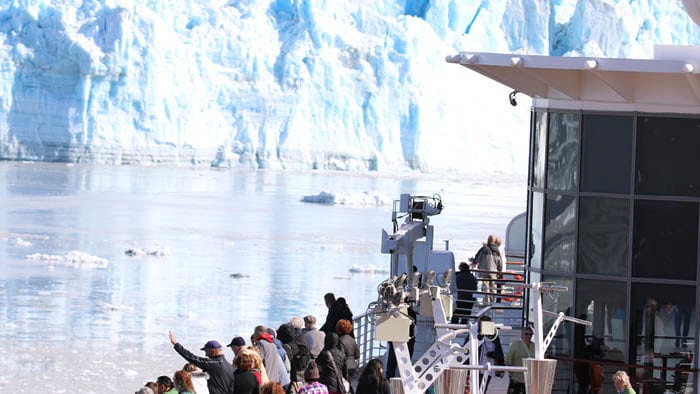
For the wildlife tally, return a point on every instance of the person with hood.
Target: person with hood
(297, 351)
(489, 259)
(331, 365)
(270, 355)
(220, 371)
(311, 376)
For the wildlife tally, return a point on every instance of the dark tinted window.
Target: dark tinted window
(667, 156)
(562, 151)
(603, 235)
(539, 149)
(665, 239)
(606, 157)
(559, 233)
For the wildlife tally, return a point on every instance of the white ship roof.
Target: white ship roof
(669, 83)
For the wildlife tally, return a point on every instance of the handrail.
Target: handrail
(620, 364)
(363, 326)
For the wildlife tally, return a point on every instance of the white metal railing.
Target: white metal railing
(363, 326)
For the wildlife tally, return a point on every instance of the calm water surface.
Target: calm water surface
(103, 329)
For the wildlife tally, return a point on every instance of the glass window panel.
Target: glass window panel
(535, 252)
(560, 301)
(539, 149)
(603, 303)
(667, 156)
(562, 151)
(665, 239)
(663, 326)
(559, 233)
(562, 377)
(603, 230)
(606, 154)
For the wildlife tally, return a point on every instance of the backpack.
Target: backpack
(302, 356)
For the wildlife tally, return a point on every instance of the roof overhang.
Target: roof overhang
(645, 85)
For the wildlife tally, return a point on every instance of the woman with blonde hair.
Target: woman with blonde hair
(622, 383)
(258, 367)
(245, 381)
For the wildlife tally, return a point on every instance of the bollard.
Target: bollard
(451, 381)
(395, 386)
(539, 377)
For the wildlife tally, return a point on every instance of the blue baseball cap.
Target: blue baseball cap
(211, 345)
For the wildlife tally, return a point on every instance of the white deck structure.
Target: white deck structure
(669, 83)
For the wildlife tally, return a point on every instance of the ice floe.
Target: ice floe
(73, 258)
(354, 199)
(19, 242)
(368, 269)
(154, 250)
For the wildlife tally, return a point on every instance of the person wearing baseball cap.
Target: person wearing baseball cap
(237, 344)
(215, 364)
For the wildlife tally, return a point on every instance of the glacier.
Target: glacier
(297, 84)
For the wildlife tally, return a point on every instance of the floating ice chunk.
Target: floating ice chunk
(239, 275)
(19, 242)
(368, 269)
(331, 198)
(114, 307)
(155, 250)
(73, 258)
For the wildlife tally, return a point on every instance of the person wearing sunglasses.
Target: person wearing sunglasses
(519, 350)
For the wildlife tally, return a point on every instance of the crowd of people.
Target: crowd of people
(298, 357)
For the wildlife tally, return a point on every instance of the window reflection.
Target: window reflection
(539, 149)
(559, 233)
(663, 326)
(562, 151)
(559, 302)
(603, 232)
(536, 230)
(603, 304)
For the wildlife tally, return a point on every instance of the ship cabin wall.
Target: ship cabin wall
(613, 214)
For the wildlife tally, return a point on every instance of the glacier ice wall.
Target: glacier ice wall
(292, 83)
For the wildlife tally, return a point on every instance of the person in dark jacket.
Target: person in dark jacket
(348, 345)
(215, 364)
(245, 381)
(337, 310)
(466, 284)
(372, 379)
(297, 351)
(331, 364)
